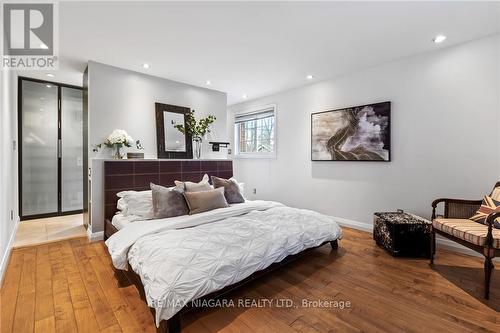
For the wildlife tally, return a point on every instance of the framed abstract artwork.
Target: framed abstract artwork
(359, 133)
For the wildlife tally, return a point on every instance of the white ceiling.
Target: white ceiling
(258, 48)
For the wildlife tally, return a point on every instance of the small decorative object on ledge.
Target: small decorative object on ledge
(196, 129)
(402, 234)
(135, 156)
(216, 145)
(116, 140)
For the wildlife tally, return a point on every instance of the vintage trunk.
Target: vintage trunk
(402, 234)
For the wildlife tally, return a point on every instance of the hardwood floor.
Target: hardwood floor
(69, 286)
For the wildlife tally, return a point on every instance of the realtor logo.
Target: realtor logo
(29, 36)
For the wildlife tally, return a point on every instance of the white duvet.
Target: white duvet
(184, 258)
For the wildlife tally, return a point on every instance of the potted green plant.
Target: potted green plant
(197, 130)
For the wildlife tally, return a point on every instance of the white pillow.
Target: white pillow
(137, 203)
(121, 205)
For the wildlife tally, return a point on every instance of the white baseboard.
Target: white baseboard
(6, 257)
(95, 236)
(442, 242)
(354, 224)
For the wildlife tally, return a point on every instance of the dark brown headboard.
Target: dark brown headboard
(137, 174)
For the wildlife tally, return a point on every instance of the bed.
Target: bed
(177, 261)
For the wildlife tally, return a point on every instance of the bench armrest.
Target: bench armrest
(490, 221)
(457, 201)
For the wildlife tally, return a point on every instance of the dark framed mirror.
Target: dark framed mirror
(169, 141)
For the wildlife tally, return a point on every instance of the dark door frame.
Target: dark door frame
(20, 148)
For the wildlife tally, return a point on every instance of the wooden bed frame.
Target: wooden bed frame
(136, 175)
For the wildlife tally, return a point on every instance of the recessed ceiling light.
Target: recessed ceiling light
(245, 96)
(44, 46)
(439, 39)
(50, 75)
(208, 83)
(310, 77)
(146, 66)
(48, 86)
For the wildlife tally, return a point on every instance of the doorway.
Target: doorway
(50, 125)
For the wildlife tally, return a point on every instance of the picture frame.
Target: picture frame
(163, 150)
(358, 133)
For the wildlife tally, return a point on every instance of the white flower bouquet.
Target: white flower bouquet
(118, 139)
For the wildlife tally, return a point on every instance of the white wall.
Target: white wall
(124, 99)
(8, 166)
(445, 136)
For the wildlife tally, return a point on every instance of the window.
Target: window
(255, 133)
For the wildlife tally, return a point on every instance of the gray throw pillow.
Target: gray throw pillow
(204, 201)
(231, 189)
(203, 185)
(168, 202)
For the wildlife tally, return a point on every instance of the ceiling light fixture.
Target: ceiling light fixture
(48, 86)
(208, 83)
(245, 96)
(146, 66)
(310, 77)
(439, 39)
(50, 75)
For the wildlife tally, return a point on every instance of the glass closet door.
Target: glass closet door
(72, 149)
(39, 148)
(51, 149)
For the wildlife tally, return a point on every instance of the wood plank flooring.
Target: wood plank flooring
(69, 286)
